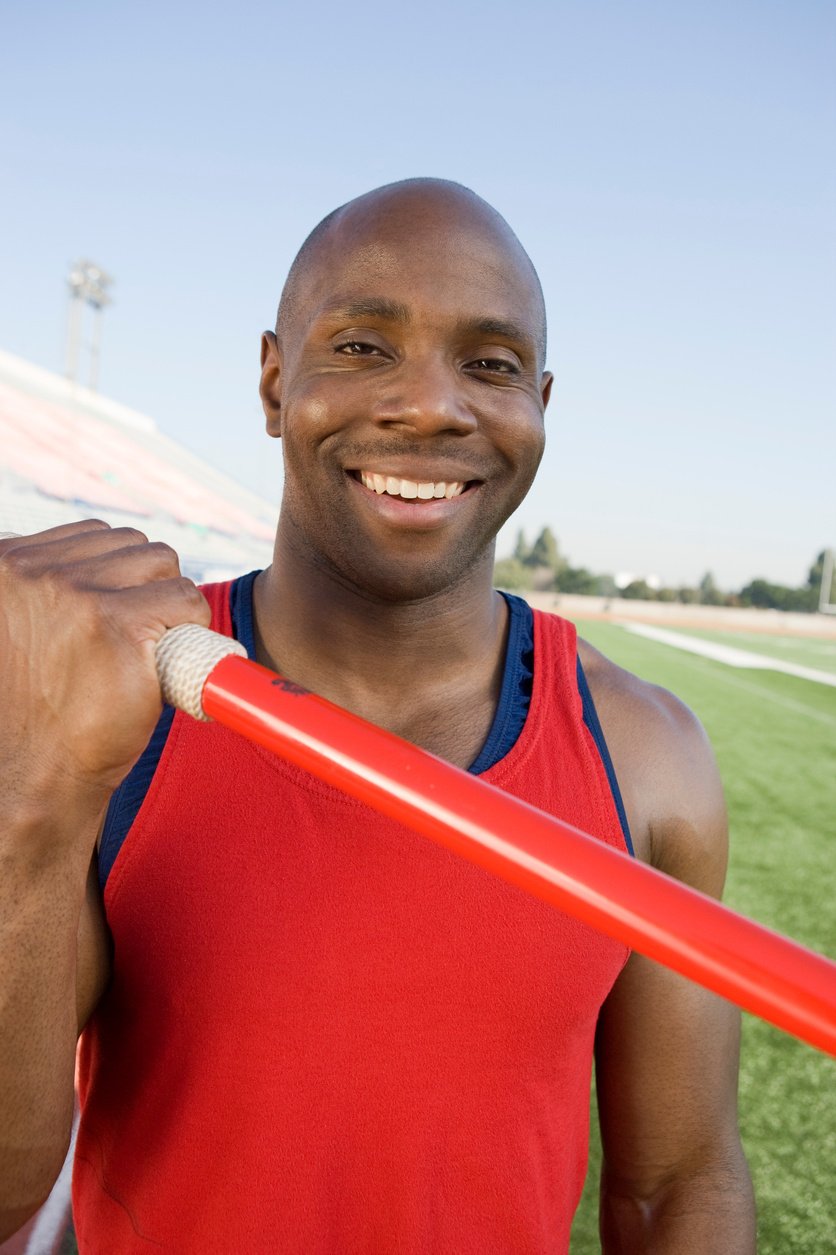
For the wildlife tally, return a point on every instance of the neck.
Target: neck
(411, 666)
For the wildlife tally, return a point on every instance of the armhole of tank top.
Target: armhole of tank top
(126, 802)
(515, 692)
(128, 798)
(593, 723)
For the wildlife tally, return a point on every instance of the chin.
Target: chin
(404, 582)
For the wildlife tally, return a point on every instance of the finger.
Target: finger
(61, 531)
(136, 563)
(47, 549)
(145, 618)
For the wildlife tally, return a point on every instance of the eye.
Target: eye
(495, 365)
(356, 348)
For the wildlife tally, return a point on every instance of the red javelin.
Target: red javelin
(763, 972)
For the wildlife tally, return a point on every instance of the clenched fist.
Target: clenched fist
(81, 609)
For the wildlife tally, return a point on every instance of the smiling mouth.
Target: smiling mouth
(410, 489)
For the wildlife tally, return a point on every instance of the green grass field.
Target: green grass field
(775, 740)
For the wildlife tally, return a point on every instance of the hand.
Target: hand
(81, 609)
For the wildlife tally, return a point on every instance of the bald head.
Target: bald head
(430, 216)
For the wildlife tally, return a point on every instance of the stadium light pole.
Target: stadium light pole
(75, 282)
(88, 284)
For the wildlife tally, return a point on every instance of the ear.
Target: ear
(270, 388)
(546, 386)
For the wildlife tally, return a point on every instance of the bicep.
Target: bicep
(673, 1174)
(666, 1074)
(667, 1050)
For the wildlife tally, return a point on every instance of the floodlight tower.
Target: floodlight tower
(88, 285)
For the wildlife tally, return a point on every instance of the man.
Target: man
(308, 1028)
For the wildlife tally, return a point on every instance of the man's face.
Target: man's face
(409, 398)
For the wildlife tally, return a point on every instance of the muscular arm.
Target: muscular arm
(80, 610)
(53, 967)
(674, 1178)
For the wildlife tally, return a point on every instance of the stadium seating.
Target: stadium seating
(67, 453)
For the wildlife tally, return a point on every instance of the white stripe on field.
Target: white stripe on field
(54, 1216)
(728, 654)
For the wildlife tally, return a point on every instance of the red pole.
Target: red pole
(758, 969)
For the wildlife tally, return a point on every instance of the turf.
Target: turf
(775, 740)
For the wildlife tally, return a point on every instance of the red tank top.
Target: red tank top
(326, 1034)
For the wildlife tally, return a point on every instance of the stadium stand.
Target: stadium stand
(68, 453)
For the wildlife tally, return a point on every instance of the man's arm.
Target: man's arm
(674, 1177)
(54, 965)
(80, 610)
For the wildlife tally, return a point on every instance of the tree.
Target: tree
(762, 594)
(512, 575)
(639, 590)
(521, 549)
(816, 572)
(607, 586)
(545, 552)
(768, 596)
(577, 579)
(710, 594)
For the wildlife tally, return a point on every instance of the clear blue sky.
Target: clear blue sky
(669, 166)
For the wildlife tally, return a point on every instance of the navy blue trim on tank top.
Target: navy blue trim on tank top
(126, 801)
(241, 611)
(590, 718)
(508, 721)
(515, 693)
(515, 699)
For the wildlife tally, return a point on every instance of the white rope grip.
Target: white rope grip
(185, 657)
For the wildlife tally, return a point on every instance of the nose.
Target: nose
(425, 396)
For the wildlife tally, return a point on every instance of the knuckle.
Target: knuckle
(170, 553)
(130, 535)
(194, 597)
(165, 553)
(166, 560)
(16, 559)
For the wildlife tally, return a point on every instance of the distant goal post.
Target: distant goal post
(827, 604)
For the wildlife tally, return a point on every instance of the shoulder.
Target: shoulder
(659, 715)
(666, 771)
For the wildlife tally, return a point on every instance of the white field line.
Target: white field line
(54, 1216)
(728, 654)
(767, 695)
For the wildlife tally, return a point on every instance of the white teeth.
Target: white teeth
(409, 489)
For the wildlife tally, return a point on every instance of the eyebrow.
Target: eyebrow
(498, 327)
(373, 307)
